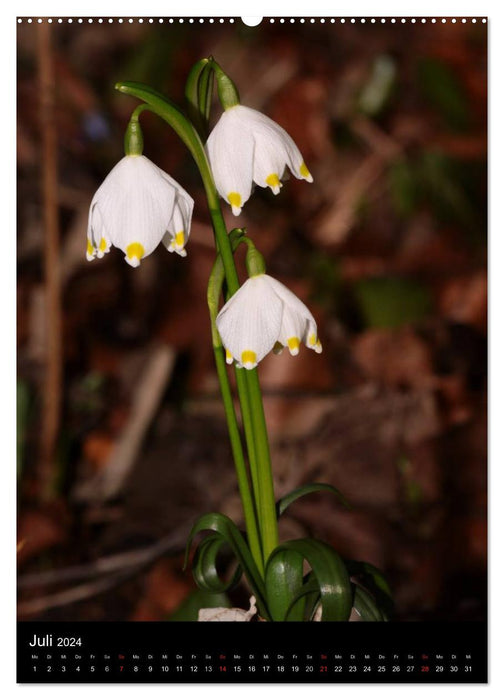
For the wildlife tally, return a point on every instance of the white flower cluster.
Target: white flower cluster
(139, 206)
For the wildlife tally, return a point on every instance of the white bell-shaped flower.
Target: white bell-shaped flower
(264, 315)
(246, 147)
(137, 207)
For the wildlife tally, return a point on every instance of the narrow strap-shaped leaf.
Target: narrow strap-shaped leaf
(218, 522)
(284, 578)
(204, 566)
(311, 594)
(366, 607)
(375, 581)
(331, 574)
(289, 498)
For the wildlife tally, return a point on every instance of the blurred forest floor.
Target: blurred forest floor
(388, 248)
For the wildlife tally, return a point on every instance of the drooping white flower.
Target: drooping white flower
(261, 315)
(137, 207)
(247, 147)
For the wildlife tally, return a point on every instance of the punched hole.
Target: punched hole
(252, 21)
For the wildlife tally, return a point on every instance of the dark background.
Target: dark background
(388, 248)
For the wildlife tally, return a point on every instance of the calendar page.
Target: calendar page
(252, 344)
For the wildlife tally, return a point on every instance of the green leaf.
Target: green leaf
(373, 579)
(284, 577)
(390, 302)
(284, 502)
(330, 572)
(190, 607)
(366, 606)
(220, 523)
(204, 566)
(311, 593)
(198, 92)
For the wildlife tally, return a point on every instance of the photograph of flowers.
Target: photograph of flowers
(252, 321)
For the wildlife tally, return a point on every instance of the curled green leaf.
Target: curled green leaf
(289, 498)
(310, 592)
(374, 581)
(284, 578)
(204, 566)
(366, 606)
(224, 526)
(328, 570)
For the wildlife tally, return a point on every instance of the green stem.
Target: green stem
(248, 429)
(241, 469)
(249, 394)
(269, 526)
(251, 404)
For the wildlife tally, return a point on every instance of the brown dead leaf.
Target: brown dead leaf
(395, 357)
(97, 448)
(464, 300)
(38, 530)
(164, 591)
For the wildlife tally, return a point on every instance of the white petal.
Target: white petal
(183, 207)
(179, 227)
(311, 339)
(250, 322)
(297, 320)
(146, 202)
(293, 329)
(230, 149)
(274, 147)
(98, 238)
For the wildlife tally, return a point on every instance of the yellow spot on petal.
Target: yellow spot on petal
(248, 359)
(293, 344)
(312, 340)
(304, 172)
(103, 245)
(236, 201)
(90, 248)
(274, 182)
(229, 357)
(135, 250)
(179, 239)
